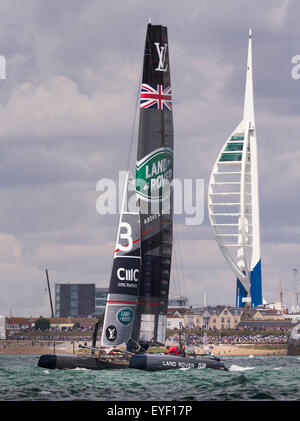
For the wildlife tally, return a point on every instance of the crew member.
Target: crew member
(182, 351)
(171, 349)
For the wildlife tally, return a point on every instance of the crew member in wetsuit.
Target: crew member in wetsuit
(171, 349)
(181, 351)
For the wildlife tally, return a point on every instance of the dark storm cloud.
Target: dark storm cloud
(66, 118)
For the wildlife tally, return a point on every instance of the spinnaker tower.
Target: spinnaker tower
(233, 201)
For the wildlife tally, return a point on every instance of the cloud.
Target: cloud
(56, 107)
(10, 249)
(53, 252)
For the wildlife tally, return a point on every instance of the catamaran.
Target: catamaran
(137, 303)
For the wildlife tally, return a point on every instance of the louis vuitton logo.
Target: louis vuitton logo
(161, 51)
(111, 333)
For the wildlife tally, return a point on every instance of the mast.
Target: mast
(281, 297)
(233, 202)
(50, 298)
(154, 175)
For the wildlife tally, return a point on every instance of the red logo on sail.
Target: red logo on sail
(156, 96)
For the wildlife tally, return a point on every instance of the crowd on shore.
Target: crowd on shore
(190, 339)
(196, 340)
(220, 345)
(247, 336)
(50, 338)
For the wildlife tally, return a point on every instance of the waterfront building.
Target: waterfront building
(17, 324)
(227, 317)
(216, 318)
(74, 300)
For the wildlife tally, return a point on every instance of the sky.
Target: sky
(67, 112)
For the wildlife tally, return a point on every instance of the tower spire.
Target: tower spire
(248, 104)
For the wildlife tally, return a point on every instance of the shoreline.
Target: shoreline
(36, 347)
(68, 347)
(249, 349)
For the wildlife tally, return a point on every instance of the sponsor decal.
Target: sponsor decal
(181, 364)
(169, 363)
(201, 366)
(125, 276)
(161, 52)
(186, 365)
(128, 274)
(154, 174)
(111, 333)
(125, 316)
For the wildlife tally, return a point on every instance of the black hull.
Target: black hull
(66, 361)
(150, 362)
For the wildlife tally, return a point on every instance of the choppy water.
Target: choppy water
(260, 378)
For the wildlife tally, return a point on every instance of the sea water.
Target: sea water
(262, 378)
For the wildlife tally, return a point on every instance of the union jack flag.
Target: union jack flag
(156, 96)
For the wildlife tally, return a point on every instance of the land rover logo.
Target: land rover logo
(154, 174)
(125, 316)
(111, 333)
